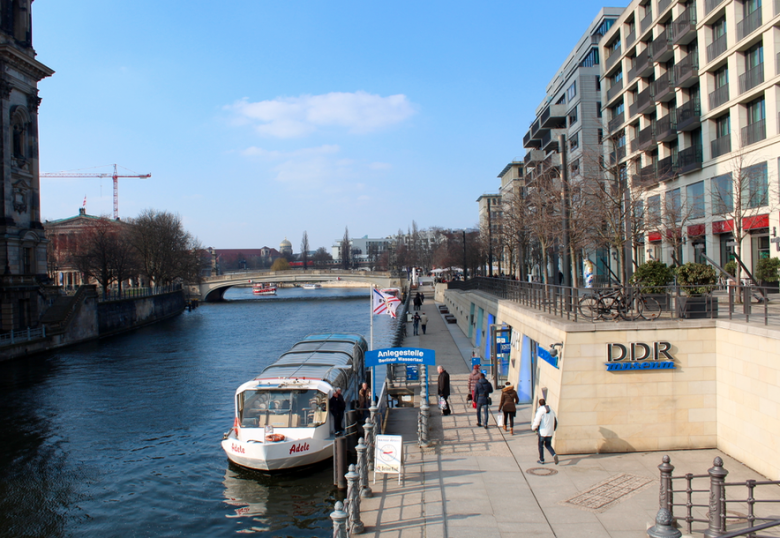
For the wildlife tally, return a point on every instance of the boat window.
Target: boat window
(282, 408)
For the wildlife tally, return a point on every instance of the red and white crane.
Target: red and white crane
(115, 176)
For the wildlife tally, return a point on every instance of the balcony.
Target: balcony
(630, 38)
(755, 132)
(709, 5)
(751, 78)
(616, 122)
(689, 160)
(533, 156)
(662, 5)
(686, 73)
(685, 26)
(550, 163)
(643, 64)
(645, 138)
(719, 96)
(663, 88)
(720, 146)
(553, 117)
(632, 73)
(550, 139)
(530, 141)
(612, 58)
(716, 48)
(665, 169)
(749, 24)
(647, 176)
(615, 90)
(644, 101)
(666, 128)
(647, 22)
(689, 115)
(632, 111)
(663, 46)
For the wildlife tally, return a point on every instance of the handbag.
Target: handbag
(490, 401)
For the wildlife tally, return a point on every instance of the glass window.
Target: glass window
(574, 141)
(755, 186)
(719, 28)
(573, 116)
(617, 77)
(673, 205)
(654, 208)
(721, 77)
(756, 111)
(722, 194)
(572, 91)
(723, 126)
(754, 56)
(282, 408)
(598, 110)
(694, 195)
(749, 6)
(618, 110)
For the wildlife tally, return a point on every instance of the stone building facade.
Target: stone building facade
(23, 248)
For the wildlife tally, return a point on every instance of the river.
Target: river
(121, 437)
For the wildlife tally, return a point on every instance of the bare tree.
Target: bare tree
(305, 249)
(321, 257)
(346, 250)
(105, 253)
(165, 248)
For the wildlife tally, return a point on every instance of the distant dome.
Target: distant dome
(285, 247)
(285, 243)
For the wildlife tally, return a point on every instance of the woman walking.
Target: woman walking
(507, 405)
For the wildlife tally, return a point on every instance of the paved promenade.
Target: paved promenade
(480, 483)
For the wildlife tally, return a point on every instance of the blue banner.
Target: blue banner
(401, 355)
(545, 356)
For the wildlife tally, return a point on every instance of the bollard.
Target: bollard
(665, 500)
(339, 517)
(353, 508)
(424, 411)
(339, 462)
(663, 526)
(717, 517)
(352, 432)
(362, 466)
(367, 428)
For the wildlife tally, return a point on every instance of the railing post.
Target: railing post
(339, 517)
(717, 515)
(424, 411)
(663, 526)
(365, 491)
(353, 494)
(368, 426)
(665, 493)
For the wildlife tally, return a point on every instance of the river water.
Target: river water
(121, 437)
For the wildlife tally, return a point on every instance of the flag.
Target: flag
(385, 304)
(85, 201)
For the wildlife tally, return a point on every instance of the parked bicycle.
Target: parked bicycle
(613, 303)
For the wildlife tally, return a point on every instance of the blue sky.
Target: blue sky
(259, 120)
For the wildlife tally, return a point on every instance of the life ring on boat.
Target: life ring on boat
(274, 438)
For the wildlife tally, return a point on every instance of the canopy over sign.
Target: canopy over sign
(401, 355)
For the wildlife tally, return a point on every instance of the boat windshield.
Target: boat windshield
(282, 408)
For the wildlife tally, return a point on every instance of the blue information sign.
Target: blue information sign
(504, 348)
(412, 373)
(474, 361)
(401, 355)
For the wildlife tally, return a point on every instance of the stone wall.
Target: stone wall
(127, 314)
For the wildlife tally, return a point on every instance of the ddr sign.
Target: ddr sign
(401, 355)
(640, 356)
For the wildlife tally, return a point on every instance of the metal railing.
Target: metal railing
(755, 132)
(614, 90)
(716, 48)
(720, 146)
(751, 78)
(645, 98)
(688, 66)
(22, 335)
(613, 56)
(616, 122)
(719, 96)
(709, 5)
(749, 24)
(647, 21)
(136, 293)
(688, 114)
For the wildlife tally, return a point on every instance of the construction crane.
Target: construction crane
(115, 176)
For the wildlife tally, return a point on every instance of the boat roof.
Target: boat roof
(329, 358)
(335, 375)
(333, 337)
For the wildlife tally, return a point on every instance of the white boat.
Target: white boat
(264, 289)
(311, 286)
(282, 418)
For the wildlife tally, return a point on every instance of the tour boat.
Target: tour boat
(264, 289)
(282, 418)
(311, 286)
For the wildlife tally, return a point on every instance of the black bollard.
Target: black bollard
(340, 462)
(352, 434)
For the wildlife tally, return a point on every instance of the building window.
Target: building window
(561, 100)
(719, 28)
(591, 59)
(749, 6)
(723, 126)
(601, 134)
(721, 77)
(616, 78)
(673, 205)
(574, 141)
(598, 109)
(571, 93)
(573, 116)
(694, 195)
(654, 208)
(722, 194)
(755, 186)
(754, 56)
(598, 84)
(575, 167)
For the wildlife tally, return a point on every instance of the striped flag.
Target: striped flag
(385, 304)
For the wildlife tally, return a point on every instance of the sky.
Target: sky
(260, 120)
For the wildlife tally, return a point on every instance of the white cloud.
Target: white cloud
(289, 117)
(272, 155)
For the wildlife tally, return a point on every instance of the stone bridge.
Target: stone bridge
(213, 288)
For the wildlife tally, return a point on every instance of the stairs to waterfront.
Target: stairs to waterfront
(59, 315)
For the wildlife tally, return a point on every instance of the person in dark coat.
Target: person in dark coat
(337, 407)
(473, 378)
(364, 401)
(481, 394)
(444, 385)
(416, 323)
(507, 406)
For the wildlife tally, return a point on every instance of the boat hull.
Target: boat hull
(277, 456)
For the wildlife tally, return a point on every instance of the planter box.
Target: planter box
(771, 287)
(697, 307)
(664, 300)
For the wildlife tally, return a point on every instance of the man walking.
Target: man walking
(423, 321)
(545, 424)
(416, 323)
(482, 395)
(473, 378)
(444, 387)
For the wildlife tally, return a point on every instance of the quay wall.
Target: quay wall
(123, 315)
(724, 391)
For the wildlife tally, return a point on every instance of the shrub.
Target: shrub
(767, 269)
(651, 277)
(696, 278)
(731, 267)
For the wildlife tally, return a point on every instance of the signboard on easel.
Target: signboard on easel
(389, 455)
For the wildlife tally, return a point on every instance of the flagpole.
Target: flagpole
(371, 344)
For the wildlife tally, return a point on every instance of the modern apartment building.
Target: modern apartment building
(690, 96)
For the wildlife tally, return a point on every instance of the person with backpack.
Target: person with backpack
(545, 425)
(482, 396)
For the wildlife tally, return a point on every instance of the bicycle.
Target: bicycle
(611, 304)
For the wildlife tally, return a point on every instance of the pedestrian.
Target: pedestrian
(482, 396)
(364, 401)
(337, 407)
(422, 299)
(417, 302)
(545, 424)
(416, 323)
(507, 405)
(444, 388)
(423, 321)
(473, 378)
